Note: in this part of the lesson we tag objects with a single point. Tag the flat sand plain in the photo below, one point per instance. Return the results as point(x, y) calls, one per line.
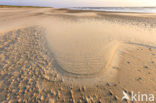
point(72, 56)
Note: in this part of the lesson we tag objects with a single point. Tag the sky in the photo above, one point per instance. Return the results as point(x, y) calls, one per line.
point(81, 3)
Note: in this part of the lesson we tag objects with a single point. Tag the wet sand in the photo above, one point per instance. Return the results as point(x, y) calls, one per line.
point(59, 55)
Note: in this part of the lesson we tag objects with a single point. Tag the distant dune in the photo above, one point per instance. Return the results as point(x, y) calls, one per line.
point(14, 6)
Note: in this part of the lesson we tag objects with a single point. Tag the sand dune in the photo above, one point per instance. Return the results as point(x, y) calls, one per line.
point(58, 55)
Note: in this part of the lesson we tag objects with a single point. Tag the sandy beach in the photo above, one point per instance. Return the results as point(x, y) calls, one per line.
point(50, 55)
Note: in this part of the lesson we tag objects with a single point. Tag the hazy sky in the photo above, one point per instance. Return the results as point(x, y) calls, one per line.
point(78, 3)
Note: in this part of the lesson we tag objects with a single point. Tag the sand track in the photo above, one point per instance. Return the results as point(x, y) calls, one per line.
point(23, 62)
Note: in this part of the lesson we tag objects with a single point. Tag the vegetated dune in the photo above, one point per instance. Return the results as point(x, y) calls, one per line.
point(60, 55)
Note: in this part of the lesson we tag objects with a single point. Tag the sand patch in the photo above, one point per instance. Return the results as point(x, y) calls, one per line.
point(82, 57)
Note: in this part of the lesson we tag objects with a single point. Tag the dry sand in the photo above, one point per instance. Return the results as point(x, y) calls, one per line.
point(58, 55)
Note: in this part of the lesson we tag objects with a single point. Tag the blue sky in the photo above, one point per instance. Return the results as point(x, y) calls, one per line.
point(78, 3)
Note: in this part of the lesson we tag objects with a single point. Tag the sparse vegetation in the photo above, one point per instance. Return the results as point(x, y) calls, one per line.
point(14, 6)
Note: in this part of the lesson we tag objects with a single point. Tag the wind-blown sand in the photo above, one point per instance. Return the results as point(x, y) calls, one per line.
point(58, 55)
